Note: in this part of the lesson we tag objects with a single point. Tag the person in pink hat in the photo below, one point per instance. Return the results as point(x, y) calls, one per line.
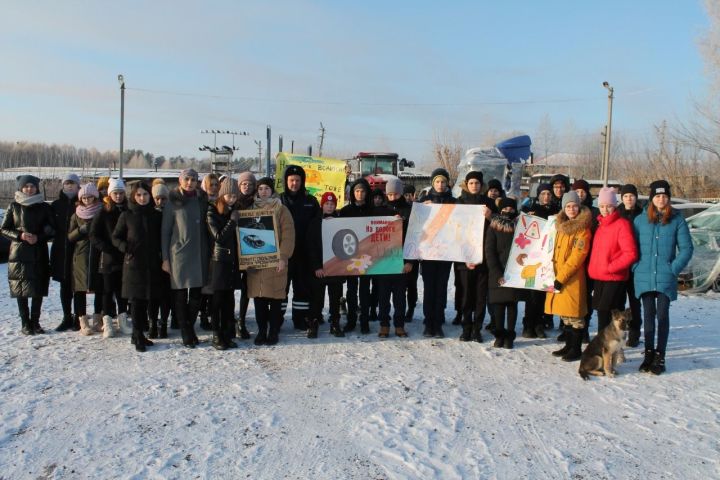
point(614, 250)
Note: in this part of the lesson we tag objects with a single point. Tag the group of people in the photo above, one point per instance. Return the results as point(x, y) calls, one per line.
point(161, 252)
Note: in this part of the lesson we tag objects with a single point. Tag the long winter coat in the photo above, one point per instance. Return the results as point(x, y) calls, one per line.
point(664, 251)
point(185, 240)
point(572, 246)
point(86, 257)
point(614, 249)
point(303, 207)
point(224, 270)
point(542, 211)
point(61, 251)
point(137, 236)
point(498, 243)
point(28, 265)
point(101, 230)
point(268, 282)
point(467, 198)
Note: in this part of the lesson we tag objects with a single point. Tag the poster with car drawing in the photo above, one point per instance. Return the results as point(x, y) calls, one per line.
point(257, 239)
point(362, 246)
point(530, 262)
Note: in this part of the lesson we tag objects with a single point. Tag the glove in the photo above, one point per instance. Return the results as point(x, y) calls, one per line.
point(558, 286)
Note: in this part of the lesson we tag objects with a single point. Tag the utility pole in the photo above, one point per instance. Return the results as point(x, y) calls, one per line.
point(322, 139)
point(259, 145)
point(310, 150)
point(608, 132)
point(292, 146)
point(121, 79)
point(267, 154)
point(280, 143)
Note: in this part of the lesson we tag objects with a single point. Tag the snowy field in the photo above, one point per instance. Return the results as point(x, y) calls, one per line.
point(358, 407)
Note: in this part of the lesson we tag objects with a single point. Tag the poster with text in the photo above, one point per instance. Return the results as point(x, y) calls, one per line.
point(362, 246)
point(530, 262)
point(321, 174)
point(257, 239)
point(446, 232)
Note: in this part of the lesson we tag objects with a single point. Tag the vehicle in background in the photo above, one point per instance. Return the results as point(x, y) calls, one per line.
point(703, 271)
point(378, 167)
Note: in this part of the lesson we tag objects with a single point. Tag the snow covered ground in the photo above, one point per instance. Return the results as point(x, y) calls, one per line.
point(359, 407)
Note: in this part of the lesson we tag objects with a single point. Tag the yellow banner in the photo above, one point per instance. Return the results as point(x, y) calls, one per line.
point(321, 175)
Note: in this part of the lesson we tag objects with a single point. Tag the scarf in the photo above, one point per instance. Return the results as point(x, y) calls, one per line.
point(87, 213)
point(27, 200)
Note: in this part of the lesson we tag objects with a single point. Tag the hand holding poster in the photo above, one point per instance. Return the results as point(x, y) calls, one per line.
point(446, 232)
point(362, 246)
point(257, 239)
point(530, 262)
point(321, 174)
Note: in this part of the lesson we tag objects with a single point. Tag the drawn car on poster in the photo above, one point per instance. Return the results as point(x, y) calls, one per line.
point(253, 241)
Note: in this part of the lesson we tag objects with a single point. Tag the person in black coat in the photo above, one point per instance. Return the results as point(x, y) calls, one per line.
point(29, 223)
point(111, 259)
point(61, 251)
point(503, 300)
point(359, 206)
point(629, 209)
point(303, 208)
point(328, 204)
point(159, 308)
point(473, 279)
point(559, 184)
point(224, 269)
point(536, 320)
point(435, 273)
point(137, 236)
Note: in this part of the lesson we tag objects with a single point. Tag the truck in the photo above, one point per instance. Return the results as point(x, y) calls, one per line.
point(378, 167)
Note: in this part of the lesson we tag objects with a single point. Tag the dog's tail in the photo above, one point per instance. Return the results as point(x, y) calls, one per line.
point(584, 374)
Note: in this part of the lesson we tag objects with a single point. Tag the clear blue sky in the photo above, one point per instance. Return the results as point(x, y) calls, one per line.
point(379, 75)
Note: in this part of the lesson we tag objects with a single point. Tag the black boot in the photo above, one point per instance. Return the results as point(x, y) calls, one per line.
point(75, 323)
point(575, 352)
point(547, 321)
point(648, 360)
point(261, 336)
point(274, 333)
point(458, 318)
point(428, 331)
point(66, 324)
point(173, 321)
point(137, 338)
point(299, 322)
point(564, 333)
point(162, 331)
point(466, 334)
point(409, 314)
point(364, 325)
point(26, 326)
point(35, 324)
point(499, 337)
point(566, 338)
point(528, 332)
point(509, 340)
point(217, 341)
point(335, 329)
point(658, 364)
point(633, 338)
point(585, 337)
point(351, 324)
point(477, 332)
point(540, 331)
point(313, 325)
point(242, 331)
point(438, 333)
point(153, 330)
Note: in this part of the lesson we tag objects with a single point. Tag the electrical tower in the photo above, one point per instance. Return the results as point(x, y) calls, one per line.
point(221, 157)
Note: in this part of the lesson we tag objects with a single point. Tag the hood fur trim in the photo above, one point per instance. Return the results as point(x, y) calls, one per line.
point(570, 227)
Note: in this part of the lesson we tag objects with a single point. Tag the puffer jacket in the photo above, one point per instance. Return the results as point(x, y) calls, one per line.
point(101, 230)
point(572, 246)
point(664, 251)
point(86, 258)
point(302, 206)
point(224, 271)
point(61, 251)
point(614, 249)
point(352, 209)
point(497, 246)
point(28, 265)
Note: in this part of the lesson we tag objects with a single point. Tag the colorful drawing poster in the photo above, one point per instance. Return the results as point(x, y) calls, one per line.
point(257, 239)
point(446, 232)
point(530, 262)
point(362, 246)
point(321, 174)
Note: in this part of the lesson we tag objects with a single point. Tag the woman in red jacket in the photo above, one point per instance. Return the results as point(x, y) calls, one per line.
point(614, 250)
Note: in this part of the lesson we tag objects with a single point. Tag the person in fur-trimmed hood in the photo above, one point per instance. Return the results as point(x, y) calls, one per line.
point(572, 246)
point(503, 300)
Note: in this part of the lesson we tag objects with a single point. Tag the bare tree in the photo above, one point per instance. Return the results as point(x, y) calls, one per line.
point(546, 138)
point(447, 151)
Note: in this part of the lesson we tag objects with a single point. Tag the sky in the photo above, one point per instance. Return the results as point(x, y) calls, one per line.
point(380, 76)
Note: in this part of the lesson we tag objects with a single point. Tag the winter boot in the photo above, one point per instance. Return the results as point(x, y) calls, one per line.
point(26, 326)
point(242, 331)
point(173, 322)
point(66, 324)
point(428, 331)
point(274, 333)
point(575, 351)
point(364, 325)
point(438, 333)
point(35, 324)
point(409, 314)
point(97, 323)
point(477, 332)
point(108, 327)
point(335, 329)
point(373, 314)
point(351, 324)
point(261, 337)
point(384, 332)
point(85, 328)
point(217, 341)
point(162, 330)
point(139, 344)
point(499, 338)
point(313, 326)
point(299, 322)
point(466, 335)
point(547, 321)
point(509, 340)
point(153, 330)
point(124, 323)
point(528, 332)
point(400, 332)
point(658, 364)
point(458, 319)
point(648, 361)
point(564, 332)
point(566, 338)
point(633, 339)
point(585, 335)
point(76, 323)
point(540, 331)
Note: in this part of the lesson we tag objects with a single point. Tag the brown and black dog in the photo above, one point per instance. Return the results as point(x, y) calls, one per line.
point(605, 351)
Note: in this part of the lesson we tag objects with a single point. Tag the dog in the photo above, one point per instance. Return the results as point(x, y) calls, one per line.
point(605, 351)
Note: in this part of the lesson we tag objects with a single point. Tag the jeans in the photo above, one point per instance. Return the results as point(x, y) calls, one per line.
point(656, 305)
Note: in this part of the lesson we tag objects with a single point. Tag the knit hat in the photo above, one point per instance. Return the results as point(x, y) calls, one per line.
point(229, 187)
point(394, 185)
point(659, 187)
point(88, 190)
point(189, 172)
point(116, 185)
point(628, 188)
point(440, 172)
point(581, 185)
point(475, 174)
point(23, 180)
point(328, 197)
point(495, 183)
point(607, 196)
point(506, 202)
point(160, 190)
point(570, 197)
point(71, 177)
point(247, 177)
point(267, 181)
point(544, 187)
point(408, 189)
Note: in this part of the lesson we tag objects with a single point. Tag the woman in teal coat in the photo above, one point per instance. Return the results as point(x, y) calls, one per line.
point(665, 248)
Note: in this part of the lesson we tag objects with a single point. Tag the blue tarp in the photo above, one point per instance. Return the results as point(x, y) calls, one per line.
point(515, 149)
